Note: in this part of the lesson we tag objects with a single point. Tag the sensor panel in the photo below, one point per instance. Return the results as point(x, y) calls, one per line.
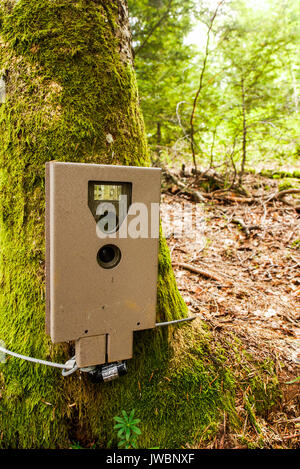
point(100, 284)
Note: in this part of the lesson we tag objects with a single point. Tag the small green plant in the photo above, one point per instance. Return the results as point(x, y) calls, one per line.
point(76, 445)
point(296, 244)
point(294, 381)
point(128, 431)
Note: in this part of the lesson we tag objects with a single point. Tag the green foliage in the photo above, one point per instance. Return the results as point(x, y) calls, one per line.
point(249, 102)
point(127, 430)
point(255, 90)
point(162, 62)
point(251, 414)
point(76, 445)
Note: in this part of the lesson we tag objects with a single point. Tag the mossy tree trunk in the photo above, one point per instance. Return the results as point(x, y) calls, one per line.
point(71, 95)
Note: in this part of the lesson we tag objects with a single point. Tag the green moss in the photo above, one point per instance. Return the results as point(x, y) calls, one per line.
point(276, 174)
point(70, 88)
point(287, 183)
point(281, 174)
point(251, 414)
point(168, 300)
point(264, 389)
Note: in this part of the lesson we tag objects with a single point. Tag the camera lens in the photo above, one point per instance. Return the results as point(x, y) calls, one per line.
point(106, 254)
point(109, 256)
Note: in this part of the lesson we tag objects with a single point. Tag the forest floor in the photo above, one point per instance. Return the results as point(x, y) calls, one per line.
point(237, 266)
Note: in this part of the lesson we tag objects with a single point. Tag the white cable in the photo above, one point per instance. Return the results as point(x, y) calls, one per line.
point(71, 364)
point(37, 360)
point(176, 320)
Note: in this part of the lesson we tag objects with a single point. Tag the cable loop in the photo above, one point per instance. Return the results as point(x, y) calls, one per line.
point(66, 366)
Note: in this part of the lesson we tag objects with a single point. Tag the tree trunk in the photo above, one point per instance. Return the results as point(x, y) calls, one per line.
point(71, 95)
point(244, 149)
point(158, 135)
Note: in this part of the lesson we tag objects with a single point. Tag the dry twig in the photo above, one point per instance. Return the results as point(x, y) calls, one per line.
point(205, 273)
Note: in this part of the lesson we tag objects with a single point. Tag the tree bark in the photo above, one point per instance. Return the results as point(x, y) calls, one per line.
point(71, 95)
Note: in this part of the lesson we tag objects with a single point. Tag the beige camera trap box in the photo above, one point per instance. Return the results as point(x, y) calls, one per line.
point(102, 225)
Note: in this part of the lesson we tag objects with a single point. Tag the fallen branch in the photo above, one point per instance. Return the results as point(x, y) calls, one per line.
point(204, 273)
point(281, 197)
point(246, 228)
point(183, 188)
point(281, 194)
point(222, 194)
point(230, 198)
point(290, 437)
point(211, 176)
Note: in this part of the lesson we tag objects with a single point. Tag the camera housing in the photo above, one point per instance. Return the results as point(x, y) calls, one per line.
point(101, 281)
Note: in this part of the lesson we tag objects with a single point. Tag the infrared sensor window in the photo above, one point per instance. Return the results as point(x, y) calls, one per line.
point(109, 203)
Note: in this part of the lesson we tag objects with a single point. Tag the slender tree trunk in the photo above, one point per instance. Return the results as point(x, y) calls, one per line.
point(212, 148)
point(158, 138)
point(158, 134)
point(244, 149)
point(71, 95)
point(198, 92)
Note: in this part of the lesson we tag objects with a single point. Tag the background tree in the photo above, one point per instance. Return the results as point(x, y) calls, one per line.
point(162, 59)
point(234, 117)
point(256, 98)
point(252, 57)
